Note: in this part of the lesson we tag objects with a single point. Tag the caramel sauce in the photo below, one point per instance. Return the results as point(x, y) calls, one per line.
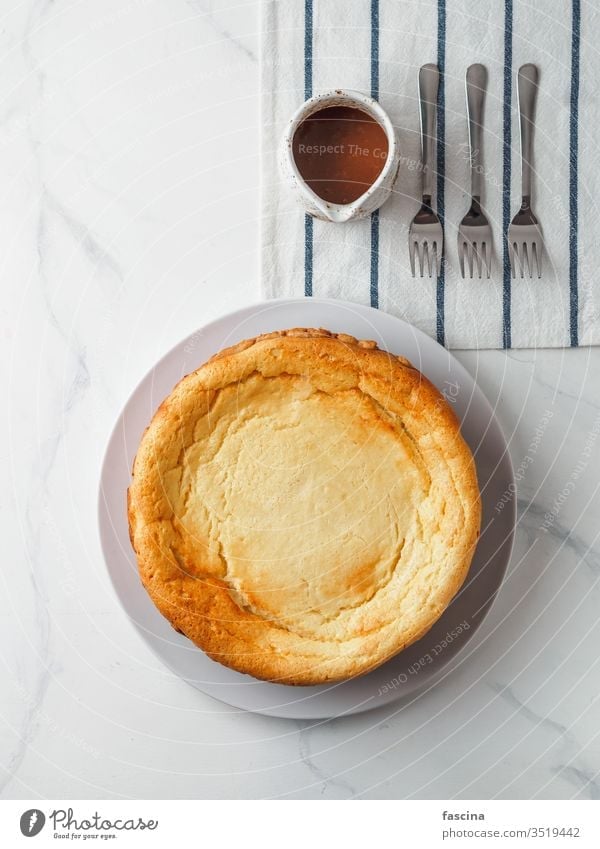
point(340, 151)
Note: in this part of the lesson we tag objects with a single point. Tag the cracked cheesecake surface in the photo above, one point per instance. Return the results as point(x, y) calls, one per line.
point(303, 506)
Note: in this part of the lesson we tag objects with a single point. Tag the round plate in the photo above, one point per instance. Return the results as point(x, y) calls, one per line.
point(417, 665)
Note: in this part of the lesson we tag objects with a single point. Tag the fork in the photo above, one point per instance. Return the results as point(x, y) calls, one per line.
point(525, 244)
point(474, 231)
point(426, 237)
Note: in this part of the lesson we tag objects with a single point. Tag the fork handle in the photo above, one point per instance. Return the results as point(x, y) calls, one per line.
point(527, 85)
point(476, 84)
point(429, 79)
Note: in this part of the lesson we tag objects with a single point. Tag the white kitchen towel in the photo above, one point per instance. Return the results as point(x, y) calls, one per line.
point(377, 46)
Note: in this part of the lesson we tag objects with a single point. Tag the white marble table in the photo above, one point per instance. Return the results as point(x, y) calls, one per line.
point(129, 217)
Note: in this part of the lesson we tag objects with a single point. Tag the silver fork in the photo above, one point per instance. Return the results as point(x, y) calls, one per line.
point(525, 243)
point(474, 231)
point(426, 237)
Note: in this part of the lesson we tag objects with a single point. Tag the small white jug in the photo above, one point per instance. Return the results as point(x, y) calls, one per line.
point(376, 194)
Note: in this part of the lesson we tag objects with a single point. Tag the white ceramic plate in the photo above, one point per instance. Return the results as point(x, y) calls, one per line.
point(413, 668)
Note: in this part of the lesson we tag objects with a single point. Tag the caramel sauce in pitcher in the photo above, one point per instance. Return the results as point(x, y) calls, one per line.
point(340, 151)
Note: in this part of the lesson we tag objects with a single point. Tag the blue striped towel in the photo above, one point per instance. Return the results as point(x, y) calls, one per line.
point(377, 46)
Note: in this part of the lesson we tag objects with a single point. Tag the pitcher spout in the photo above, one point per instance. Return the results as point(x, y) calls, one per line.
point(336, 213)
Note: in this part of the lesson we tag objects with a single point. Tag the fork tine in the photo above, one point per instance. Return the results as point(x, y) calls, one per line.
point(477, 252)
point(429, 251)
point(521, 259)
point(461, 257)
point(470, 258)
point(512, 250)
point(518, 260)
point(420, 251)
point(421, 255)
point(425, 244)
point(487, 259)
point(537, 257)
point(525, 250)
point(526, 264)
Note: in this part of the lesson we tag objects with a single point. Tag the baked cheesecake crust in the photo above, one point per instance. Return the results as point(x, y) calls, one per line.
point(303, 506)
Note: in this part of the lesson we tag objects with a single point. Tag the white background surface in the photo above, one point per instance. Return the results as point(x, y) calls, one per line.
point(129, 217)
